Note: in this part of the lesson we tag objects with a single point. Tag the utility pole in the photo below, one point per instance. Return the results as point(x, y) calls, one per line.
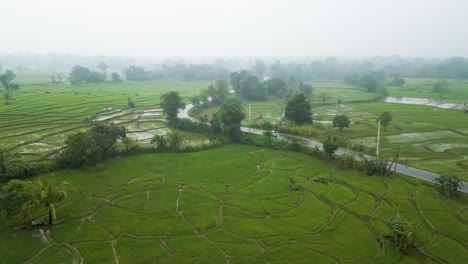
point(378, 140)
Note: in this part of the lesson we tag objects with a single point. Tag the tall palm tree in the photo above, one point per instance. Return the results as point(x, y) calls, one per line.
point(45, 193)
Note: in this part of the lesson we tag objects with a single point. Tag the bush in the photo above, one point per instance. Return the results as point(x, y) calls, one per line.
point(189, 125)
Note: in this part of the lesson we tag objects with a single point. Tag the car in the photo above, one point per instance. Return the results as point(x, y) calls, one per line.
point(273, 133)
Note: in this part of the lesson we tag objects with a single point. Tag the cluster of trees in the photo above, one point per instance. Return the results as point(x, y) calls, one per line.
point(214, 94)
point(226, 120)
point(340, 69)
point(370, 81)
point(20, 200)
point(249, 87)
point(83, 75)
point(178, 72)
point(440, 86)
point(90, 147)
point(13, 166)
point(6, 81)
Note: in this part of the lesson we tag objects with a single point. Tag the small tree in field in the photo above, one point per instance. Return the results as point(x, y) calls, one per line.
point(403, 233)
point(341, 121)
point(116, 78)
point(440, 86)
point(103, 66)
point(5, 80)
point(329, 147)
point(45, 193)
point(171, 102)
point(385, 119)
point(449, 185)
point(298, 109)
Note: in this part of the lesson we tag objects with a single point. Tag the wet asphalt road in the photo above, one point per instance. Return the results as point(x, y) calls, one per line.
point(410, 171)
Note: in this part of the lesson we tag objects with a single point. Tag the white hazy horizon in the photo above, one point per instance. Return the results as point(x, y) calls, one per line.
point(219, 28)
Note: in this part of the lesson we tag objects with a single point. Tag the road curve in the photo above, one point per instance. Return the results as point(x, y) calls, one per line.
point(410, 171)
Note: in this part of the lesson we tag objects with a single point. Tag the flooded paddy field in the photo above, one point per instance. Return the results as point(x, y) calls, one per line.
point(40, 117)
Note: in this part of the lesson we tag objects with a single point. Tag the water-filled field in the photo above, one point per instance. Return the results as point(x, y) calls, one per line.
point(239, 204)
point(40, 116)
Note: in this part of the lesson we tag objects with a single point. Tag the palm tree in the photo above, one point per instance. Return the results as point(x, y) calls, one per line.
point(45, 193)
point(175, 139)
point(449, 185)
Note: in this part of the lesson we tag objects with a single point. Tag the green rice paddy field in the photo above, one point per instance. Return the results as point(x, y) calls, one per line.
point(234, 205)
point(427, 137)
point(41, 115)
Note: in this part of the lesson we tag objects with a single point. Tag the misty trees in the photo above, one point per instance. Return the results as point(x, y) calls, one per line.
point(56, 79)
point(277, 87)
point(171, 102)
point(440, 86)
point(397, 81)
point(218, 92)
point(449, 185)
point(369, 82)
point(115, 77)
point(102, 66)
point(298, 109)
point(385, 118)
point(341, 121)
point(247, 86)
point(6, 81)
point(260, 68)
point(82, 75)
point(231, 114)
point(135, 73)
point(305, 88)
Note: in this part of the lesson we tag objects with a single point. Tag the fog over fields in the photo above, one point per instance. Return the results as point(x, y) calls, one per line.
point(416, 28)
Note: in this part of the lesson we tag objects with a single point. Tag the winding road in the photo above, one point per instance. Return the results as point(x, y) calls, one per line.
point(407, 170)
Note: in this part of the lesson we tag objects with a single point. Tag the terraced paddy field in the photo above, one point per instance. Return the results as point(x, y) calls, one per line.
point(41, 116)
point(235, 204)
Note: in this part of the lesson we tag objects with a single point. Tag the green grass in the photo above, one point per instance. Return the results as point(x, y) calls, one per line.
point(235, 204)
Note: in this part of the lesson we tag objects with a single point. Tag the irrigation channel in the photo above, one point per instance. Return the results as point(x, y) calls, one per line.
point(410, 171)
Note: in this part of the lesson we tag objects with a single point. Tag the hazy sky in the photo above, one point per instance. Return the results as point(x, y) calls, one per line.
point(428, 28)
